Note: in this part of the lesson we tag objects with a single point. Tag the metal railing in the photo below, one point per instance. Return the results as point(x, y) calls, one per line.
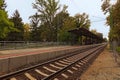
point(27, 44)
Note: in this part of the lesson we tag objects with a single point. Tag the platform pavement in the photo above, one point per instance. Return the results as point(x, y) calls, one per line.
point(29, 51)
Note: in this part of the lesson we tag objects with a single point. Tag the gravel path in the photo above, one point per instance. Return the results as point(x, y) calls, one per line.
point(103, 68)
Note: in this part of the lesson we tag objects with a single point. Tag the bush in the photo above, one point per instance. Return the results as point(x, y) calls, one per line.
point(118, 49)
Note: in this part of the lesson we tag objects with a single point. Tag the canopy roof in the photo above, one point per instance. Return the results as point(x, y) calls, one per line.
point(84, 32)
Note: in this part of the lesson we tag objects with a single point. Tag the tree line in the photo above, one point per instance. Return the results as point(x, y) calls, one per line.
point(113, 20)
point(51, 22)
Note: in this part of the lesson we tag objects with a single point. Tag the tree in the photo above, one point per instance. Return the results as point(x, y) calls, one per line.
point(61, 17)
point(45, 33)
point(94, 31)
point(2, 5)
point(17, 35)
point(116, 20)
point(47, 10)
point(26, 32)
point(6, 25)
point(113, 19)
point(59, 21)
point(64, 35)
point(82, 21)
point(106, 6)
point(35, 24)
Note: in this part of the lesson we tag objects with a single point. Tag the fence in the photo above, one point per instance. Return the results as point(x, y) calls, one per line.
point(27, 44)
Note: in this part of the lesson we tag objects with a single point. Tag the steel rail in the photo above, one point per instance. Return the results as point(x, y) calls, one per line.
point(58, 72)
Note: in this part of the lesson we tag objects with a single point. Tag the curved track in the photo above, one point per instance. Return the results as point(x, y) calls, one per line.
point(68, 67)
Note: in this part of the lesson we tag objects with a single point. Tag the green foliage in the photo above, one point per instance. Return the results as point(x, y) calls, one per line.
point(18, 33)
point(113, 19)
point(116, 20)
point(35, 30)
point(2, 5)
point(26, 32)
point(64, 35)
point(60, 18)
point(50, 25)
point(45, 33)
point(6, 25)
point(105, 6)
point(118, 49)
point(47, 10)
point(82, 20)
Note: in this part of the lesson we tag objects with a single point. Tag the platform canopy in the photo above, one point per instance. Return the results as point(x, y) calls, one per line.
point(84, 32)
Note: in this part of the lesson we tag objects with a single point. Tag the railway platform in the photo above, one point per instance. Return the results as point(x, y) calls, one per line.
point(103, 68)
point(11, 60)
point(30, 51)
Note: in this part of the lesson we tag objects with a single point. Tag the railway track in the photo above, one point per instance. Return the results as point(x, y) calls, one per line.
point(68, 67)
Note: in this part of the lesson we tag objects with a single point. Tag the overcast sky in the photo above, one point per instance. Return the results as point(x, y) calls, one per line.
point(91, 7)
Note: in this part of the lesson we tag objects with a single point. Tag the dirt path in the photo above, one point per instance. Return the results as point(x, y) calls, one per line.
point(104, 68)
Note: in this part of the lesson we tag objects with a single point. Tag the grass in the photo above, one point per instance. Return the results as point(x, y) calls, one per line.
point(118, 50)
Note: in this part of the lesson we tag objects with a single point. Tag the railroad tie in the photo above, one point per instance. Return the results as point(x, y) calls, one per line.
point(67, 60)
point(78, 65)
point(60, 64)
point(64, 75)
point(64, 62)
point(41, 73)
point(70, 71)
point(83, 61)
point(70, 59)
point(55, 79)
point(13, 79)
point(55, 66)
point(74, 68)
point(29, 76)
point(49, 69)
